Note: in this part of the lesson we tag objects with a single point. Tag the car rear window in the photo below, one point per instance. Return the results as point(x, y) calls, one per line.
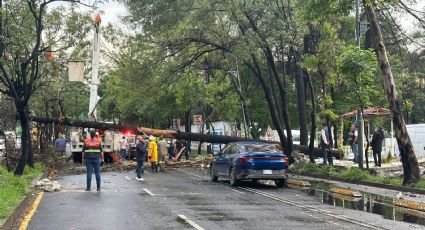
point(260, 148)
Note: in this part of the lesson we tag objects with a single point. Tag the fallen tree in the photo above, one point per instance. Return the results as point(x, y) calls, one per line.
point(167, 133)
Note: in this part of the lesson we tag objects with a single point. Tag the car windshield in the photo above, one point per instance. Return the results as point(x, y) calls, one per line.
point(260, 148)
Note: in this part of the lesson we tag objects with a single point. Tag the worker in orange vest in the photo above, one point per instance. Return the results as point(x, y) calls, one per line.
point(93, 157)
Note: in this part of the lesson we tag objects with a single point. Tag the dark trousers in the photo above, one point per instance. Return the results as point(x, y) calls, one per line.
point(123, 154)
point(377, 157)
point(327, 156)
point(154, 167)
point(90, 165)
point(139, 169)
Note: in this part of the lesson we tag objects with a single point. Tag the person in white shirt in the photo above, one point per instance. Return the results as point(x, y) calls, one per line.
point(123, 148)
point(325, 137)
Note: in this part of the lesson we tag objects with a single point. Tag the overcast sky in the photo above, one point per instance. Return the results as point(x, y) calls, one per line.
point(113, 11)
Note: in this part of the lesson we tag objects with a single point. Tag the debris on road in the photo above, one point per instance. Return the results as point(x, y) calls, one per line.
point(48, 185)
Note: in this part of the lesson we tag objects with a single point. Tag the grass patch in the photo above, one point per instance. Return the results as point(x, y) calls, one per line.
point(352, 173)
point(13, 188)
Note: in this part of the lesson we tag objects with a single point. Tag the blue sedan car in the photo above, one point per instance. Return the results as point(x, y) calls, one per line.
point(250, 161)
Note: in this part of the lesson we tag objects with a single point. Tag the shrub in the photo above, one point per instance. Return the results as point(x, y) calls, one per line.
point(355, 173)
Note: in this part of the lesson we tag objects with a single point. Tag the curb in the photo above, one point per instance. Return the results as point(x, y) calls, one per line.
point(366, 183)
point(346, 192)
point(297, 182)
point(410, 204)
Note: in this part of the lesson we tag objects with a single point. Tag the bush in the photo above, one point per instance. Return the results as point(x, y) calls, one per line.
point(354, 173)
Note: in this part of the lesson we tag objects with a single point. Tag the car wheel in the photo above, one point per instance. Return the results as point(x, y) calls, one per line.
point(213, 177)
point(280, 183)
point(232, 178)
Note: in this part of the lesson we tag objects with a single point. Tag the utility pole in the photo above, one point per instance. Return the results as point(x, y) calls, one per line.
point(242, 101)
point(357, 30)
point(95, 70)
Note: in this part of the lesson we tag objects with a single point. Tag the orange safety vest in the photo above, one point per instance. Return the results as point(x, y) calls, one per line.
point(92, 145)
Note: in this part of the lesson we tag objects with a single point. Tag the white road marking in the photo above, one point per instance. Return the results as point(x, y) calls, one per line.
point(313, 209)
point(148, 192)
point(193, 224)
point(234, 190)
point(128, 178)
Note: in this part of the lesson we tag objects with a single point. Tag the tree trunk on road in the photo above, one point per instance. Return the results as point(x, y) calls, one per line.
point(411, 172)
point(166, 133)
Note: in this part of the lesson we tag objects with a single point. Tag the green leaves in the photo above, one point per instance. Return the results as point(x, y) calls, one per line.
point(359, 68)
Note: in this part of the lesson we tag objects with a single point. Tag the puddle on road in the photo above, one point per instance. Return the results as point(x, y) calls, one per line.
point(381, 205)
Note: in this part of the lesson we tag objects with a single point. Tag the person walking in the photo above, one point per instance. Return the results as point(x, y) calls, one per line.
point(123, 148)
point(376, 143)
point(92, 155)
point(153, 154)
point(141, 151)
point(353, 142)
point(60, 146)
point(325, 137)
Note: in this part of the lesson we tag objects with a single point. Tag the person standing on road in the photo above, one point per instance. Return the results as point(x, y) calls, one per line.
point(171, 149)
point(60, 146)
point(153, 153)
point(162, 149)
point(353, 142)
point(325, 137)
point(141, 151)
point(92, 155)
point(378, 137)
point(123, 148)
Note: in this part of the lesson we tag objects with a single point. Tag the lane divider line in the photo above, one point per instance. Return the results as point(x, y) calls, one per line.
point(27, 218)
point(324, 212)
point(234, 190)
point(193, 224)
point(148, 192)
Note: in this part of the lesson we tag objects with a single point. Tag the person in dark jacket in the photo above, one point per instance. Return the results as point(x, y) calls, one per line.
point(376, 144)
point(141, 150)
point(325, 137)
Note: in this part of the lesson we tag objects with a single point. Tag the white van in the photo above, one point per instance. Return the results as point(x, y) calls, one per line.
point(417, 136)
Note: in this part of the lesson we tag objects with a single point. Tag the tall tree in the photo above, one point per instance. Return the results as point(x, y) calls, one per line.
point(27, 37)
point(411, 172)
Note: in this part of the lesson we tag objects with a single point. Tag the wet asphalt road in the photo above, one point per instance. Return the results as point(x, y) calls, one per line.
point(157, 202)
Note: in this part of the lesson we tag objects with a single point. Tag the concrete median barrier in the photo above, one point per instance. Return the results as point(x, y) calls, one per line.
point(410, 204)
point(346, 192)
point(297, 182)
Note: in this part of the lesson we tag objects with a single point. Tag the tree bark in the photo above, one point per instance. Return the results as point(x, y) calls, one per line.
point(411, 172)
point(26, 156)
point(313, 119)
point(299, 84)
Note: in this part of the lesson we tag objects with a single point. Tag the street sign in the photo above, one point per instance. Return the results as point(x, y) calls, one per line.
point(364, 26)
point(197, 119)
